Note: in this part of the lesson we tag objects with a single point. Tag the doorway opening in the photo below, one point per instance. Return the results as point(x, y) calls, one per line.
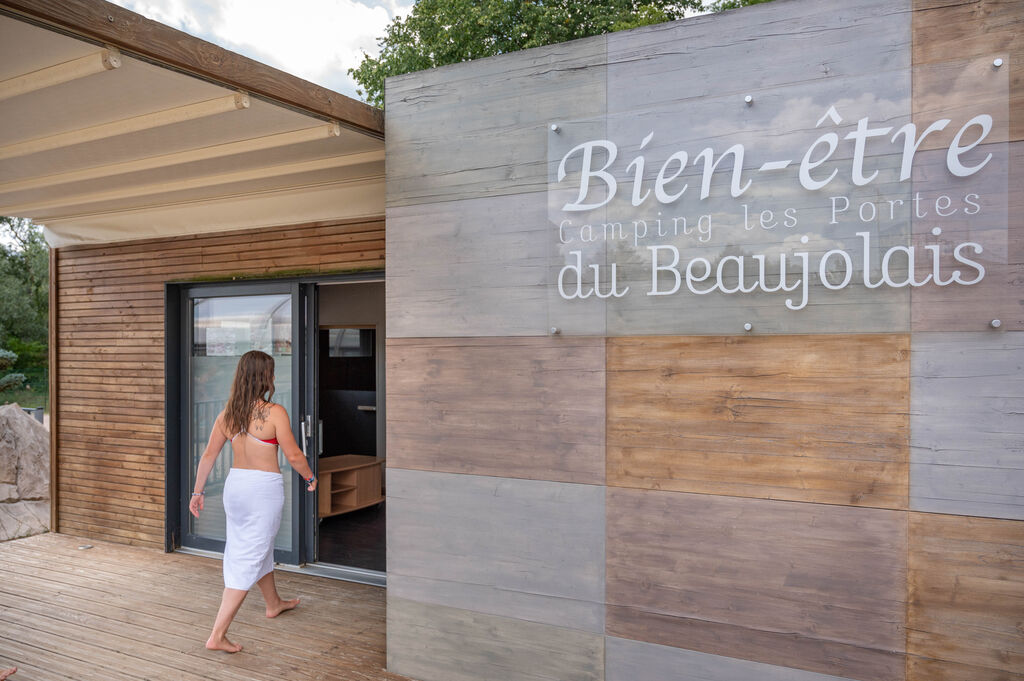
point(349, 389)
point(327, 339)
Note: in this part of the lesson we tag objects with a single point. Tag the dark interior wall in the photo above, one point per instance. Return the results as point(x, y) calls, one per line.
point(347, 381)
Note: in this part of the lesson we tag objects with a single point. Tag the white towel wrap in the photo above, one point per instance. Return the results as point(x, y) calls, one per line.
point(253, 501)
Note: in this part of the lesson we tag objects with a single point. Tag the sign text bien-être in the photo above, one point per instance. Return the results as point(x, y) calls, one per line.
point(902, 265)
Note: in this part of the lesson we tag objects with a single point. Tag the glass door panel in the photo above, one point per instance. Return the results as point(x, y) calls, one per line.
point(222, 329)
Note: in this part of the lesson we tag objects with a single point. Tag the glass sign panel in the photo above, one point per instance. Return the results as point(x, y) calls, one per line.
point(868, 203)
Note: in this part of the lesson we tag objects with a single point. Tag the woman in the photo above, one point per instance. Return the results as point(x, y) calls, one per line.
point(253, 490)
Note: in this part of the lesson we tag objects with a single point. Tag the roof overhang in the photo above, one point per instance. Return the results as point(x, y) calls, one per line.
point(117, 127)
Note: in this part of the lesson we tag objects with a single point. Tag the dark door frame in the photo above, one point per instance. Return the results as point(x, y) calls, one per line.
point(177, 333)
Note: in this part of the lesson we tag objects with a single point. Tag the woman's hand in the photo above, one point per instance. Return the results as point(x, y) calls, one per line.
point(195, 505)
point(312, 486)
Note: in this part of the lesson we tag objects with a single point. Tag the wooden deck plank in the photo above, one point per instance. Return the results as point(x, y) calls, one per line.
point(51, 665)
point(105, 585)
point(164, 589)
point(117, 613)
point(141, 600)
point(87, 602)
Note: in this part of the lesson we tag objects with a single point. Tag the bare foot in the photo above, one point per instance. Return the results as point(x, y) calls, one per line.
point(4, 673)
point(222, 644)
point(285, 605)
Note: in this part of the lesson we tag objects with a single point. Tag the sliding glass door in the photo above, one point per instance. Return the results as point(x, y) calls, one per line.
point(220, 324)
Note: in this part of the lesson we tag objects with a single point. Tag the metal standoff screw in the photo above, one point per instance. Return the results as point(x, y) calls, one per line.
point(554, 127)
point(995, 323)
point(555, 330)
point(749, 99)
point(997, 63)
point(748, 326)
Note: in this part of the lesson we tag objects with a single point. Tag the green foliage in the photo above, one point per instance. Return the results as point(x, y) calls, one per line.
point(440, 32)
point(24, 281)
point(24, 310)
point(723, 5)
point(32, 355)
point(10, 381)
point(35, 392)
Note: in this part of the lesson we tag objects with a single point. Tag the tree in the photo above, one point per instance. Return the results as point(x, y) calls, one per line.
point(440, 32)
point(24, 282)
point(723, 5)
point(9, 381)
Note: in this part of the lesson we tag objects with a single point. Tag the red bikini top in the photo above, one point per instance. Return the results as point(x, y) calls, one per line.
point(271, 441)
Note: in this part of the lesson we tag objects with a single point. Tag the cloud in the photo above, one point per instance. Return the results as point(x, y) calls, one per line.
point(318, 40)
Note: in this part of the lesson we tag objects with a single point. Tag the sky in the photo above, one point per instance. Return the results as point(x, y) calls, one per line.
point(319, 40)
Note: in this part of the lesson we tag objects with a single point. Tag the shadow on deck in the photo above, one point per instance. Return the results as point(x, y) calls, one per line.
point(122, 613)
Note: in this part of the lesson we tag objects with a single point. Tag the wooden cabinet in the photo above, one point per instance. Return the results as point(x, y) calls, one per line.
point(348, 483)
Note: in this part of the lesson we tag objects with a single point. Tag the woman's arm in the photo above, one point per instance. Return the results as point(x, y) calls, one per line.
point(210, 454)
point(292, 450)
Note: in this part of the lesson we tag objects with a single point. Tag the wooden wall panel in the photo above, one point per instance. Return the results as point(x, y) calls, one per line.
point(947, 30)
point(521, 408)
point(479, 129)
point(638, 661)
point(492, 259)
point(538, 556)
point(645, 69)
point(967, 423)
point(110, 306)
point(966, 603)
point(808, 586)
point(436, 643)
point(805, 418)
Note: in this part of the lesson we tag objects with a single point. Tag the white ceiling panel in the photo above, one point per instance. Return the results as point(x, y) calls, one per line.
point(134, 140)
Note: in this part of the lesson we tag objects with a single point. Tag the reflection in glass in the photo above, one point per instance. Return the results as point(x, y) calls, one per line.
point(223, 330)
point(829, 206)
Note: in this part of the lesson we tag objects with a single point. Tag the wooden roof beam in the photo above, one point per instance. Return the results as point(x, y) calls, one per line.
point(113, 25)
point(281, 139)
point(156, 119)
point(89, 65)
point(198, 182)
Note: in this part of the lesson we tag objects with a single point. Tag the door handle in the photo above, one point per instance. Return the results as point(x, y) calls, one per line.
point(307, 431)
point(366, 407)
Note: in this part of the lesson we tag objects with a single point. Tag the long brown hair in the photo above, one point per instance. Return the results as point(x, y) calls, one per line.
point(254, 381)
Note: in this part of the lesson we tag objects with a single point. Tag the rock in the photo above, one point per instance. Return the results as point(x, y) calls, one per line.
point(25, 448)
point(23, 519)
point(24, 474)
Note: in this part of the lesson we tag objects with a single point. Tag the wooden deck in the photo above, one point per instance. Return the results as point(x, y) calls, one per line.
point(121, 613)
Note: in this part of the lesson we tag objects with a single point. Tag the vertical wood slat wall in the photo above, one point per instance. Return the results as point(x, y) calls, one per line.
point(813, 507)
point(109, 362)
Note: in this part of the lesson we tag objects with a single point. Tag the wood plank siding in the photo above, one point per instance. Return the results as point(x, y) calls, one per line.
point(109, 440)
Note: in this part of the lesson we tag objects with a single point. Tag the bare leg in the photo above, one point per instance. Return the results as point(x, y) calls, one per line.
point(4, 673)
point(275, 604)
point(230, 602)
